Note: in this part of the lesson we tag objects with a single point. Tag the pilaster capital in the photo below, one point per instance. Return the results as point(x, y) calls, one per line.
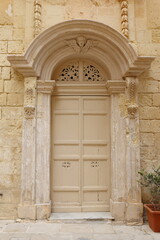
point(116, 86)
point(46, 86)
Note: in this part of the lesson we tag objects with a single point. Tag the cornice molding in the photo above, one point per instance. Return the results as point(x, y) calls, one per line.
point(116, 86)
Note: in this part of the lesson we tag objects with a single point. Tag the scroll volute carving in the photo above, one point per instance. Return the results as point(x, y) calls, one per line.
point(132, 106)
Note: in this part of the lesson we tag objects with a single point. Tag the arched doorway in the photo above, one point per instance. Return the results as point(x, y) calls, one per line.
point(99, 44)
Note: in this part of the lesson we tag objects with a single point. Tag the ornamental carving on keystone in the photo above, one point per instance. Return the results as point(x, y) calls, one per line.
point(81, 44)
point(29, 112)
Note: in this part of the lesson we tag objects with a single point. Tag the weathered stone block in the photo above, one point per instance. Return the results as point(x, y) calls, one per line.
point(134, 213)
point(145, 126)
point(5, 33)
point(12, 113)
point(153, 16)
point(6, 73)
point(0, 112)
point(15, 47)
point(155, 126)
point(15, 99)
point(118, 210)
point(146, 100)
point(19, 21)
point(8, 211)
point(149, 113)
point(9, 181)
point(147, 139)
point(11, 127)
point(27, 212)
point(1, 86)
point(43, 211)
point(6, 16)
point(10, 153)
point(156, 100)
point(18, 34)
point(3, 99)
point(148, 153)
point(3, 46)
point(13, 86)
point(3, 60)
point(156, 35)
point(148, 86)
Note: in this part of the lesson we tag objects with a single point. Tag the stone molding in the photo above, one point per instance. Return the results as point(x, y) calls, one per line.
point(124, 17)
point(46, 86)
point(42, 61)
point(37, 17)
point(116, 86)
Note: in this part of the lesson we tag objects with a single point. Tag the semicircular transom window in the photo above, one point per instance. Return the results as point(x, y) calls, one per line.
point(79, 71)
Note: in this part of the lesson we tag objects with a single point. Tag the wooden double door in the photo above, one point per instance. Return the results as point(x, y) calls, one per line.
point(80, 165)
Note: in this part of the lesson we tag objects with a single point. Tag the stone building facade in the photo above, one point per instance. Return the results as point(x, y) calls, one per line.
point(91, 64)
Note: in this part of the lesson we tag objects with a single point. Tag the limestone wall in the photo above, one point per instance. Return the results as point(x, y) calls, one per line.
point(12, 19)
point(16, 33)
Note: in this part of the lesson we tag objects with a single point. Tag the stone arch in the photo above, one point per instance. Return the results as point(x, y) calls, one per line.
point(62, 42)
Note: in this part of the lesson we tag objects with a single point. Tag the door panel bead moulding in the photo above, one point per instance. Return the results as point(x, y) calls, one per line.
point(113, 53)
point(124, 17)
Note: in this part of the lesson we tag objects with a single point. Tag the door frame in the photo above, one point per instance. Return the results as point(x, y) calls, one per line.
point(122, 65)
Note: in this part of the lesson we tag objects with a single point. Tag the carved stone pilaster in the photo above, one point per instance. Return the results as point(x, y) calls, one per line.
point(124, 17)
point(46, 86)
point(132, 106)
point(37, 17)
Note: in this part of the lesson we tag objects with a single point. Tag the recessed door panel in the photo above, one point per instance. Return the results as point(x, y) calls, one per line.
point(80, 165)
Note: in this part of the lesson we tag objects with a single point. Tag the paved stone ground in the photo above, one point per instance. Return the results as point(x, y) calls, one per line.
point(84, 230)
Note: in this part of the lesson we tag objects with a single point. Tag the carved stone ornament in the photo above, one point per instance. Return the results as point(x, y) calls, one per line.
point(37, 17)
point(124, 17)
point(29, 112)
point(81, 44)
point(132, 106)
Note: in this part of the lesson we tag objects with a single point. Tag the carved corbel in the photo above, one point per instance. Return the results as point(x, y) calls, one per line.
point(29, 112)
point(132, 86)
point(46, 87)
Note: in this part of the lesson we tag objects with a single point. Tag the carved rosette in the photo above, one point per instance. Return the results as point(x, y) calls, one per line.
point(124, 17)
point(37, 17)
point(132, 106)
point(29, 112)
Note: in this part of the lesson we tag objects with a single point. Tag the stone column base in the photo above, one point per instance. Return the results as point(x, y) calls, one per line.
point(134, 213)
point(130, 213)
point(34, 212)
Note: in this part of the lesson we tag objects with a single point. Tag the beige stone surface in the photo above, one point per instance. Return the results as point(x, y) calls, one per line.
point(16, 32)
point(6, 14)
